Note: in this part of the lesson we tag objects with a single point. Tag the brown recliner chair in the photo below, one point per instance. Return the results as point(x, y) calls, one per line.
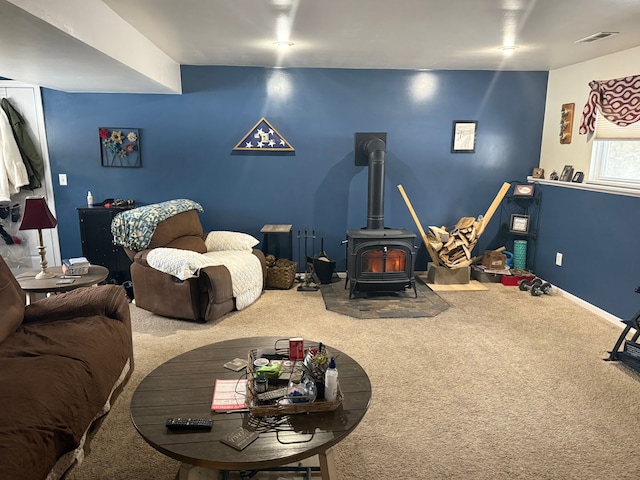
point(63, 361)
point(208, 297)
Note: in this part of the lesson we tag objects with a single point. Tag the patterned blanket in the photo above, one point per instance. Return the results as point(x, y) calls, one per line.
point(134, 228)
point(244, 267)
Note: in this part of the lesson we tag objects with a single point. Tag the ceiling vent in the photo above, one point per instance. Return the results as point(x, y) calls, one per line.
point(596, 36)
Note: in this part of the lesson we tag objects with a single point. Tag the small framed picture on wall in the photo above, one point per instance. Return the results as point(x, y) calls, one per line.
point(464, 136)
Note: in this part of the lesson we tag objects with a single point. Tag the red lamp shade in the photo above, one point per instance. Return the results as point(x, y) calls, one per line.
point(37, 215)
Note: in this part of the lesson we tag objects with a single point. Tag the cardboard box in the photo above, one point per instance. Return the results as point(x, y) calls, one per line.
point(494, 260)
point(447, 276)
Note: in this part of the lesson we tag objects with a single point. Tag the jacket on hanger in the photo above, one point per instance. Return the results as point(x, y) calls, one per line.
point(13, 173)
point(30, 156)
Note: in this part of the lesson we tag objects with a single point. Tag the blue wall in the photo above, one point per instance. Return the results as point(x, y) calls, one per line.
point(598, 235)
point(187, 141)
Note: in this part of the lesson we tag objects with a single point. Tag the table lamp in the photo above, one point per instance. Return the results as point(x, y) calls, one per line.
point(37, 216)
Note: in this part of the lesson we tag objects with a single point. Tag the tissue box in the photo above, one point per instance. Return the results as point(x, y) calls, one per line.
point(75, 266)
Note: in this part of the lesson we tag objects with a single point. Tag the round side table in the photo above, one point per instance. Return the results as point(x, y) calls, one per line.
point(31, 286)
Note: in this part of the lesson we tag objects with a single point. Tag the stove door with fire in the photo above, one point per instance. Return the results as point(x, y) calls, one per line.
point(383, 261)
point(383, 265)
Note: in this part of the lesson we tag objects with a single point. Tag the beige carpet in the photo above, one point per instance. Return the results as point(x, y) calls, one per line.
point(502, 385)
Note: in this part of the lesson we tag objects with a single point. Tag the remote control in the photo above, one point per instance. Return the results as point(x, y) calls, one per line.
point(240, 438)
point(189, 423)
point(272, 394)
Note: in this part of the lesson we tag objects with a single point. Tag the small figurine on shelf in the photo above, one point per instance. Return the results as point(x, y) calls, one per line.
point(538, 173)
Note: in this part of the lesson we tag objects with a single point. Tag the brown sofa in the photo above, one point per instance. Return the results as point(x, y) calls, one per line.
point(206, 298)
point(63, 360)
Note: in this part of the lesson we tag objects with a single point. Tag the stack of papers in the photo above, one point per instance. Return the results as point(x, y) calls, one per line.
point(229, 395)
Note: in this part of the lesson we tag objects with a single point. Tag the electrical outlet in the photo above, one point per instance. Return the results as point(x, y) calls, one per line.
point(559, 259)
point(62, 179)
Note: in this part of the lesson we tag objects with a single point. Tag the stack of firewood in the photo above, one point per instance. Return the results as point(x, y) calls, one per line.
point(454, 245)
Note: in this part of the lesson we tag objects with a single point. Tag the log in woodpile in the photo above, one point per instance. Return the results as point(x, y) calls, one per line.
point(453, 247)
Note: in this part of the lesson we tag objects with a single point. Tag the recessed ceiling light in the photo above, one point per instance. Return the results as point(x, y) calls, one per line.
point(282, 3)
point(508, 49)
point(283, 44)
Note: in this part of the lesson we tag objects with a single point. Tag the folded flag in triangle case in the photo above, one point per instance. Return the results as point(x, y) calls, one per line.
point(264, 137)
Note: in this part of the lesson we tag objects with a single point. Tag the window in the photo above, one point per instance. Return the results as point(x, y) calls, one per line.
point(615, 158)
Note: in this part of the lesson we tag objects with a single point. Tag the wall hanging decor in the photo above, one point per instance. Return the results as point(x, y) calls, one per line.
point(119, 147)
point(263, 138)
point(464, 136)
point(566, 122)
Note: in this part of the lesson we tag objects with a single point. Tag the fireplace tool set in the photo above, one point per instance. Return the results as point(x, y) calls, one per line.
point(309, 279)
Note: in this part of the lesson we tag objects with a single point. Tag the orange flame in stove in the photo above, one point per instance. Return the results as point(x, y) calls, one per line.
point(373, 261)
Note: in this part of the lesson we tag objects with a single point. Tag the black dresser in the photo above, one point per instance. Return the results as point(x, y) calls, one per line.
point(97, 242)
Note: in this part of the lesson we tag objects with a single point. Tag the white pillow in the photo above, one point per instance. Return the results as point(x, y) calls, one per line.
point(221, 240)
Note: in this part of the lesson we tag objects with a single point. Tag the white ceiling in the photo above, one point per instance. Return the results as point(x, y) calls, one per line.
point(137, 46)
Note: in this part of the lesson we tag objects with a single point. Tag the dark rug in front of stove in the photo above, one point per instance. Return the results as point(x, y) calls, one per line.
point(402, 304)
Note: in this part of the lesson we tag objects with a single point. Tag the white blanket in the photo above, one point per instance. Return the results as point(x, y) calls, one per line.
point(244, 267)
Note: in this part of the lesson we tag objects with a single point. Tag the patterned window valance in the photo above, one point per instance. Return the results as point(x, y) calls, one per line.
point(618, 100)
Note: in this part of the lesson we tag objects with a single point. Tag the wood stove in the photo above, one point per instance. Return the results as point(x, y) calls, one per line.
point(379, 259)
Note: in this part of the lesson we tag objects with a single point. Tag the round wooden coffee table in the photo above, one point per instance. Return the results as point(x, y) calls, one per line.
point(183, 387)
point(30, 285)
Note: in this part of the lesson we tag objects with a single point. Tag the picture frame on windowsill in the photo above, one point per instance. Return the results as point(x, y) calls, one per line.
point(567, 173)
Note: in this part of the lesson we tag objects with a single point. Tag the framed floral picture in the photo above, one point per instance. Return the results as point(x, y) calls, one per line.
point(119, 147)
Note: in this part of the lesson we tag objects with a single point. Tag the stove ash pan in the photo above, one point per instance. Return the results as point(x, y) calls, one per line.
point(380, 260)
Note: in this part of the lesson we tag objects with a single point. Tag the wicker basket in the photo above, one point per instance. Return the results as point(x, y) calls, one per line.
point(269, 410)
point(281, 274)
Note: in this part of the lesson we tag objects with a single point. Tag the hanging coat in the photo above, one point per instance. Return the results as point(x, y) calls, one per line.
point(30, 156)
point(13, 173)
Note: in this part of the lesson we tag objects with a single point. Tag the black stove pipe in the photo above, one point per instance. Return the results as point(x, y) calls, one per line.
point(375, 150)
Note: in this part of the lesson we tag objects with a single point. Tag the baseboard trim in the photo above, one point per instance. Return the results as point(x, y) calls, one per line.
point(577, 300)
point(592, 308)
